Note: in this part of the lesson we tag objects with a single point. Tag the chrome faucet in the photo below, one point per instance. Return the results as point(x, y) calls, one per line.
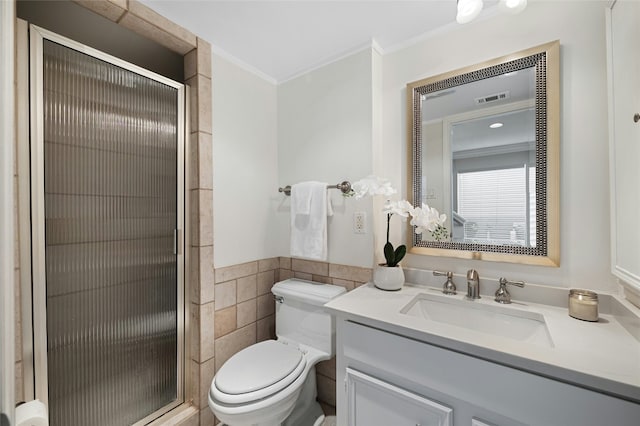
point(449, 287)
point(502, 294)
point(473, 284)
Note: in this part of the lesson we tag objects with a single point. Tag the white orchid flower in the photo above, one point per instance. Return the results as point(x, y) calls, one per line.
point(402, 208)
point(372, 185)
point(427, 218)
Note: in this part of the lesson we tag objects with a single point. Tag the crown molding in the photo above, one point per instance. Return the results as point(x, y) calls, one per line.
point(370, 45)
point(218, 51)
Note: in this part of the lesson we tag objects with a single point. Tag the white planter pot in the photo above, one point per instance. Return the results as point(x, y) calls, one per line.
point(388, 278)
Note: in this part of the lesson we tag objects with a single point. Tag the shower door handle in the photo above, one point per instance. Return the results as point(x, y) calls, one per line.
point(177, 241)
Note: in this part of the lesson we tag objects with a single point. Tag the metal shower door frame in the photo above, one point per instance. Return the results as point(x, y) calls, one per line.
point(36, 37)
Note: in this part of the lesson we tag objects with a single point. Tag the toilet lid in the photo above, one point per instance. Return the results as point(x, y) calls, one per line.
point(260, 366)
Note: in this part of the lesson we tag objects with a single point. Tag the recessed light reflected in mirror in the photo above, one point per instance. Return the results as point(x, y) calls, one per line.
point(496, 125)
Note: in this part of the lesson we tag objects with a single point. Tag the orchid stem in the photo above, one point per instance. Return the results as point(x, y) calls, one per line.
point(388, 220)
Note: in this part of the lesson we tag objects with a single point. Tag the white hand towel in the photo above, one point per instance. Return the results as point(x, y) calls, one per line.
point(309, 209)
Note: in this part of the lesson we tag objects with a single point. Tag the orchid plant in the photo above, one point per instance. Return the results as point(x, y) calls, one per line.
point(425, 218)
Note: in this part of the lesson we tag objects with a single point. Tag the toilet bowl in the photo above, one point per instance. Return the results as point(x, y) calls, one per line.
point(272, 383)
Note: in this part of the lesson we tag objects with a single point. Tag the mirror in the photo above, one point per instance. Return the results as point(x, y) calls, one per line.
point(484, 144)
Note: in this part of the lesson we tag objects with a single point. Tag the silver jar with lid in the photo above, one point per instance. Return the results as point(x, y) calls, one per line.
point(583, 304)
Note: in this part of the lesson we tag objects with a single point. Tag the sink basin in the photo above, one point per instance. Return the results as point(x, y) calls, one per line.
point(508, 322)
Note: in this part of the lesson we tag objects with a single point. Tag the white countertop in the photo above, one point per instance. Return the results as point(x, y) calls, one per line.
point(602, 356)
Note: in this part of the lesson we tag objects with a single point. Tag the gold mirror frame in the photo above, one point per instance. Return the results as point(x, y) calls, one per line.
point(546, 59)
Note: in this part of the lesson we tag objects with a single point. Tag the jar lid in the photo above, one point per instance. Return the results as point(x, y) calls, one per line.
point(583, 294)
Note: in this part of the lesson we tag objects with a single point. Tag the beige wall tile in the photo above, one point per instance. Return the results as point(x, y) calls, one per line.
point(110, 9)
point(207, 288)
point(205, 161)
point(247, 287)
point(193, 104)
point(207, 331)
point(204, 57)
point(194, 209)
point(157, 34)
point(302, 275)
point(327, 368)
point(225, 294)
point(17, 315)
point(16, 225)
point(205, 217)
point(321, 279)
point(190, 64)
point(204, 105)
point(266, 306)
point(207, 371)
point(268, 264)
point(352, 273)
point(194, 331)
point(285, 262)
point(247, 312)
point(194, 381)
point(310, 267)
point(192, 178)
point(284, 274)
point(265, 282)
point(266, 328)
point(225, 321)
point(194, 274)
point(19, 389)
point(358, 284)
point(326, 389)
point(236, 271)
point(207, 418)
point(201, 274)
point(349, 285)
point(183, 39)
point(201, 161)
point(234, 342)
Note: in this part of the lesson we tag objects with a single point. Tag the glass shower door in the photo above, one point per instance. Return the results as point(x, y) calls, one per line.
point(111, 184)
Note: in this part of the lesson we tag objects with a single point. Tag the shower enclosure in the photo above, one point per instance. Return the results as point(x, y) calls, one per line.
point(107, 143)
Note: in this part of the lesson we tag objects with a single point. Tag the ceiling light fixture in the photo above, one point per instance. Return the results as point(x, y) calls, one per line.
point(513, 6)
point(496, 125)
point(469, 9)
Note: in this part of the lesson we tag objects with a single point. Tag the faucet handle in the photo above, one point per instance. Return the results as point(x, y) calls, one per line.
point(503, 282)
point(502, 294)
point(449, 287)
point(448, 274)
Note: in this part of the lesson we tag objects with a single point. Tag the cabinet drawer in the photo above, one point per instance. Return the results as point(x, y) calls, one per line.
point(373, 402)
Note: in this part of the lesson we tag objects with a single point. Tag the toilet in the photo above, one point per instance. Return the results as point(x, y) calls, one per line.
point(273, 383)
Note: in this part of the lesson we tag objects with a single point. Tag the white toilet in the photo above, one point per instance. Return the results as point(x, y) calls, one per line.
point(273, 383)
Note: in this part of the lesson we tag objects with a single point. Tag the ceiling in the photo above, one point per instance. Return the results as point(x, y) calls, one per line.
point(279, 40)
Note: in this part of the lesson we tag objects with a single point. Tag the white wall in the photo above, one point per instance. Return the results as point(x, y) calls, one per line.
point(580, 27)
point(325, 133)
point(245, 165)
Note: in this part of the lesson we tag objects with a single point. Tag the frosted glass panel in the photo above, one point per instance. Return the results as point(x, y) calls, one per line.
point(110, 210)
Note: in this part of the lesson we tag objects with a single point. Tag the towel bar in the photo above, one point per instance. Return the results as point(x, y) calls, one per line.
point(345, 187)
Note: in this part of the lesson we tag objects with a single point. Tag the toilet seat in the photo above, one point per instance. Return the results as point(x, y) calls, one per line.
point(257, 372)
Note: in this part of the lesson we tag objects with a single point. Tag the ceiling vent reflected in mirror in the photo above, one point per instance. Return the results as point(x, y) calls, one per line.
point(492, 98)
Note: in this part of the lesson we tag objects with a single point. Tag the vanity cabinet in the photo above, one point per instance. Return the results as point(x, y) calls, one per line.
point(385, 379)
point(624, 126)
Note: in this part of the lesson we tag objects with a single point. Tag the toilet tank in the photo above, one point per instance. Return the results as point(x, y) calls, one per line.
point(300, 314)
